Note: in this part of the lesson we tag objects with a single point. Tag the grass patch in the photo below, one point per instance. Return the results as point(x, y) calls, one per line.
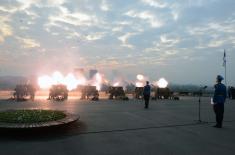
point(30, 116)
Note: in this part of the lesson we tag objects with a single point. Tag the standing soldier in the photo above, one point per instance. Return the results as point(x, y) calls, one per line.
point(31, 91)
point(219, 99)
point(17, 92)
point(146, 93)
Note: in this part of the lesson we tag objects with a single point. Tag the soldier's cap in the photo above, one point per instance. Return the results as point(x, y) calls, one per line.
point(219, 77)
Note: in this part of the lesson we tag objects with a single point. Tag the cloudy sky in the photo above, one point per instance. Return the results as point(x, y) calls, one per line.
point(182, 40)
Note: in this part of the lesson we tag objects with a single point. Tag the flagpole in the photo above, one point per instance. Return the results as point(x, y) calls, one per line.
point(225, 68)
point(225, 71)
point(225, 74)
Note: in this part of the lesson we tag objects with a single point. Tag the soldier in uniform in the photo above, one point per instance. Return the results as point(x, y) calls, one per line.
point(146, 93)
point(219, 99)
point(17, 92)
point(95, 95)
point(31, 90)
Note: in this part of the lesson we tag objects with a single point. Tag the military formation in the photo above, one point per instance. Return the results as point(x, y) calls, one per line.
point(60, 92)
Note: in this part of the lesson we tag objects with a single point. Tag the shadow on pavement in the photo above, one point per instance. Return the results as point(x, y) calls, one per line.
point(43, 134)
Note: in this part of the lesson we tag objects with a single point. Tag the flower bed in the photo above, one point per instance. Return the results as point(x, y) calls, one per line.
point(30, 116)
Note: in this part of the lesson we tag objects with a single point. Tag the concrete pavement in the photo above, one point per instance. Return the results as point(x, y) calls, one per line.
point(125, 127)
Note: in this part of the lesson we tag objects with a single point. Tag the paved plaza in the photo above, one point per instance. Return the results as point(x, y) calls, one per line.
point(125, 127)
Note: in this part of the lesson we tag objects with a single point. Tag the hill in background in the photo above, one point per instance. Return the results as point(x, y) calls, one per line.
point(10, 82)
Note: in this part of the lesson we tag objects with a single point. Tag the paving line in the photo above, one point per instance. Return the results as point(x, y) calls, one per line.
point(151, 127)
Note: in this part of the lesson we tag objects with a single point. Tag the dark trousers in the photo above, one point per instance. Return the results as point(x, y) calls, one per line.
point(146, 100)
point(219, 113)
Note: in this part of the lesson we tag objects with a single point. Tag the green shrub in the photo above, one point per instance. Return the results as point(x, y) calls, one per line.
point(30, 116)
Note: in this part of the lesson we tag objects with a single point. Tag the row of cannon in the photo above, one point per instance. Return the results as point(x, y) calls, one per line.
point(60, 92)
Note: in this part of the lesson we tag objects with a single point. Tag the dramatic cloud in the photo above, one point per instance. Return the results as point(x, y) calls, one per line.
point(146, 16)
point(155, 3)
point(156, 37)
point(124, 40)
point(105, 6)
point(5, 29)
point(28, 43)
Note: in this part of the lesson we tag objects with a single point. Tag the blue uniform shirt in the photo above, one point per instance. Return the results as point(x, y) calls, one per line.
point(220, 94)
point(147, 90)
